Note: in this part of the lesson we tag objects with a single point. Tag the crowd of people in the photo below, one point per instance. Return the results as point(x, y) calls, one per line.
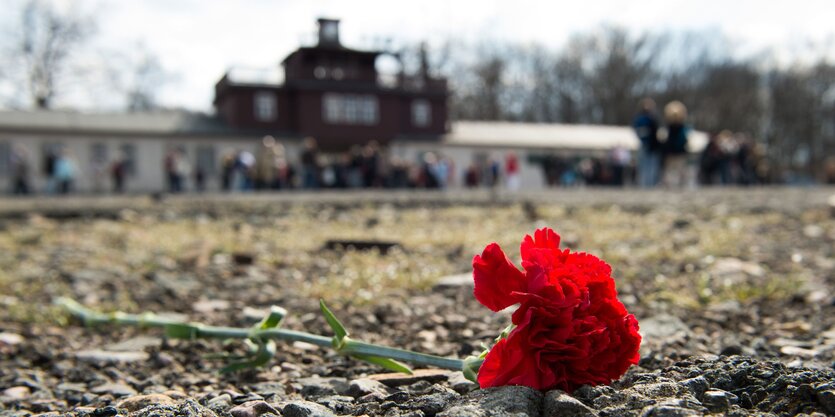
point(727, 159)
point(60, 170)
point(662, 153)
point(662, 159)
point(359, 167)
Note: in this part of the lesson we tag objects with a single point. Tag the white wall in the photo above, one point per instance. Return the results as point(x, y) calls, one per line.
point(150, 153)
point(531, 175)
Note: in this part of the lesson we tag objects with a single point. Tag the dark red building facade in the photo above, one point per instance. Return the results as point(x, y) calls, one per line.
point(335, 94)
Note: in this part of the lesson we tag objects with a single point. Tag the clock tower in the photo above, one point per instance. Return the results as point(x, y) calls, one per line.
point(328, 32)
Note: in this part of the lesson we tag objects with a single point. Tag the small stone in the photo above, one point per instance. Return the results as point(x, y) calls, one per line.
point(319, 387)
point(10, 339)
point(210, 306)
point(252, 409)
point(245, 398)
point(663, 327)
point(340, 404)
point(269, 389)
point(508, 401)
point(665, 410)
point(138, 402)
point(397, 379)
point(16, 393)
point(826, 397)
point(105, 411)
point(243, 258)
point(799, 351)
point(306, 409)
point(175, 395)
point(458, 382)
point(308, 347)
point(718, 401)
point(98, 356)
point(71, 387)
point(455, 281)
point(432, 403)
point(115, 388)
point(187, 408)
point(362, 387)
point(657, 390)
point(697, 386)
point(136, 344)
point(398, 397)
point(560, 404)
point(222, 401)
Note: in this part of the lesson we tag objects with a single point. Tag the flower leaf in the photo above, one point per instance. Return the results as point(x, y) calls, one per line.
point(338, 329)
point(266, 351)
point(390, 364)
point(471, 367)
point(273, 319)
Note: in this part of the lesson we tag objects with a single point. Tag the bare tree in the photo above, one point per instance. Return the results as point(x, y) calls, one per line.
point(145, 75)
point(47, 40)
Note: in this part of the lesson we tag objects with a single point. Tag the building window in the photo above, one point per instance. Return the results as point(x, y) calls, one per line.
point(49, 154)
point(206, 159)
point(98, 154)
point(421, 113)
point(266, 106)
point(5, 157)
point(128, 151)
point(350, 109)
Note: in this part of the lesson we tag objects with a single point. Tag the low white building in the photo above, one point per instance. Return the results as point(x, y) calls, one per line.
point(94, 141)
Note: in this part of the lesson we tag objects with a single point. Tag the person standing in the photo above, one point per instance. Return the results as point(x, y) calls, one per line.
point(20, 171)
point(310, 164)
point(64, 172)
point(649, 154)
point(511, 169)
point(118, 172)
point(675, 147)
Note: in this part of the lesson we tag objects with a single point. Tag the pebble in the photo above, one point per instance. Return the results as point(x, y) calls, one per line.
point(560, 404)
point(138, 402)
point(104, 357)
point(10, 339)
point(509, 401)
point(305, 409)
point(117, 389)
point(825, 394)
point(17, 393)
point(318, 387)
point(252, 409)
point(362, 387)
point(458, 382)
point(135, 344)
point(222, 401)
point(718, 401)
point(397, 379)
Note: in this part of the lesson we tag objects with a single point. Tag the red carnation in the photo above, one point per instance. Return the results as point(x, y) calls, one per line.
point(571, 329)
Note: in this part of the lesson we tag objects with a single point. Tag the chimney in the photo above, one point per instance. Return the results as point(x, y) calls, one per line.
point(328, 32)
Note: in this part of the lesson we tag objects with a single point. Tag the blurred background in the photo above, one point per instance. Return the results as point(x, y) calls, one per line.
point(110, 96)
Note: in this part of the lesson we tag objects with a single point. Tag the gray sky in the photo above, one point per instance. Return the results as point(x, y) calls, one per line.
point(199, 39)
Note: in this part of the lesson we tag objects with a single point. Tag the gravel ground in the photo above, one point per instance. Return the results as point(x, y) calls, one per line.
point(733, 290)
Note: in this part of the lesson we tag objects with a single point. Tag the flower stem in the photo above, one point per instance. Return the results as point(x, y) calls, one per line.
point(92, 318)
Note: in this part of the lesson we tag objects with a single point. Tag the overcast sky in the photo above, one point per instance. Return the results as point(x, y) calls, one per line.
point(199, 39)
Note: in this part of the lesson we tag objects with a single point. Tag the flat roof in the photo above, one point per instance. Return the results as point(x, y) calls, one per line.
point(154, 123)
point(550, 136)
point(546, 136)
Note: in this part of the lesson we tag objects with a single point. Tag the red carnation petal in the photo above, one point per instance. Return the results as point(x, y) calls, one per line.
point(544, 238)
point(496, 278)
point(509, 362)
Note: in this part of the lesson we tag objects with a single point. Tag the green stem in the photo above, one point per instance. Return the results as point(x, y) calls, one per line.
point(91, 318)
